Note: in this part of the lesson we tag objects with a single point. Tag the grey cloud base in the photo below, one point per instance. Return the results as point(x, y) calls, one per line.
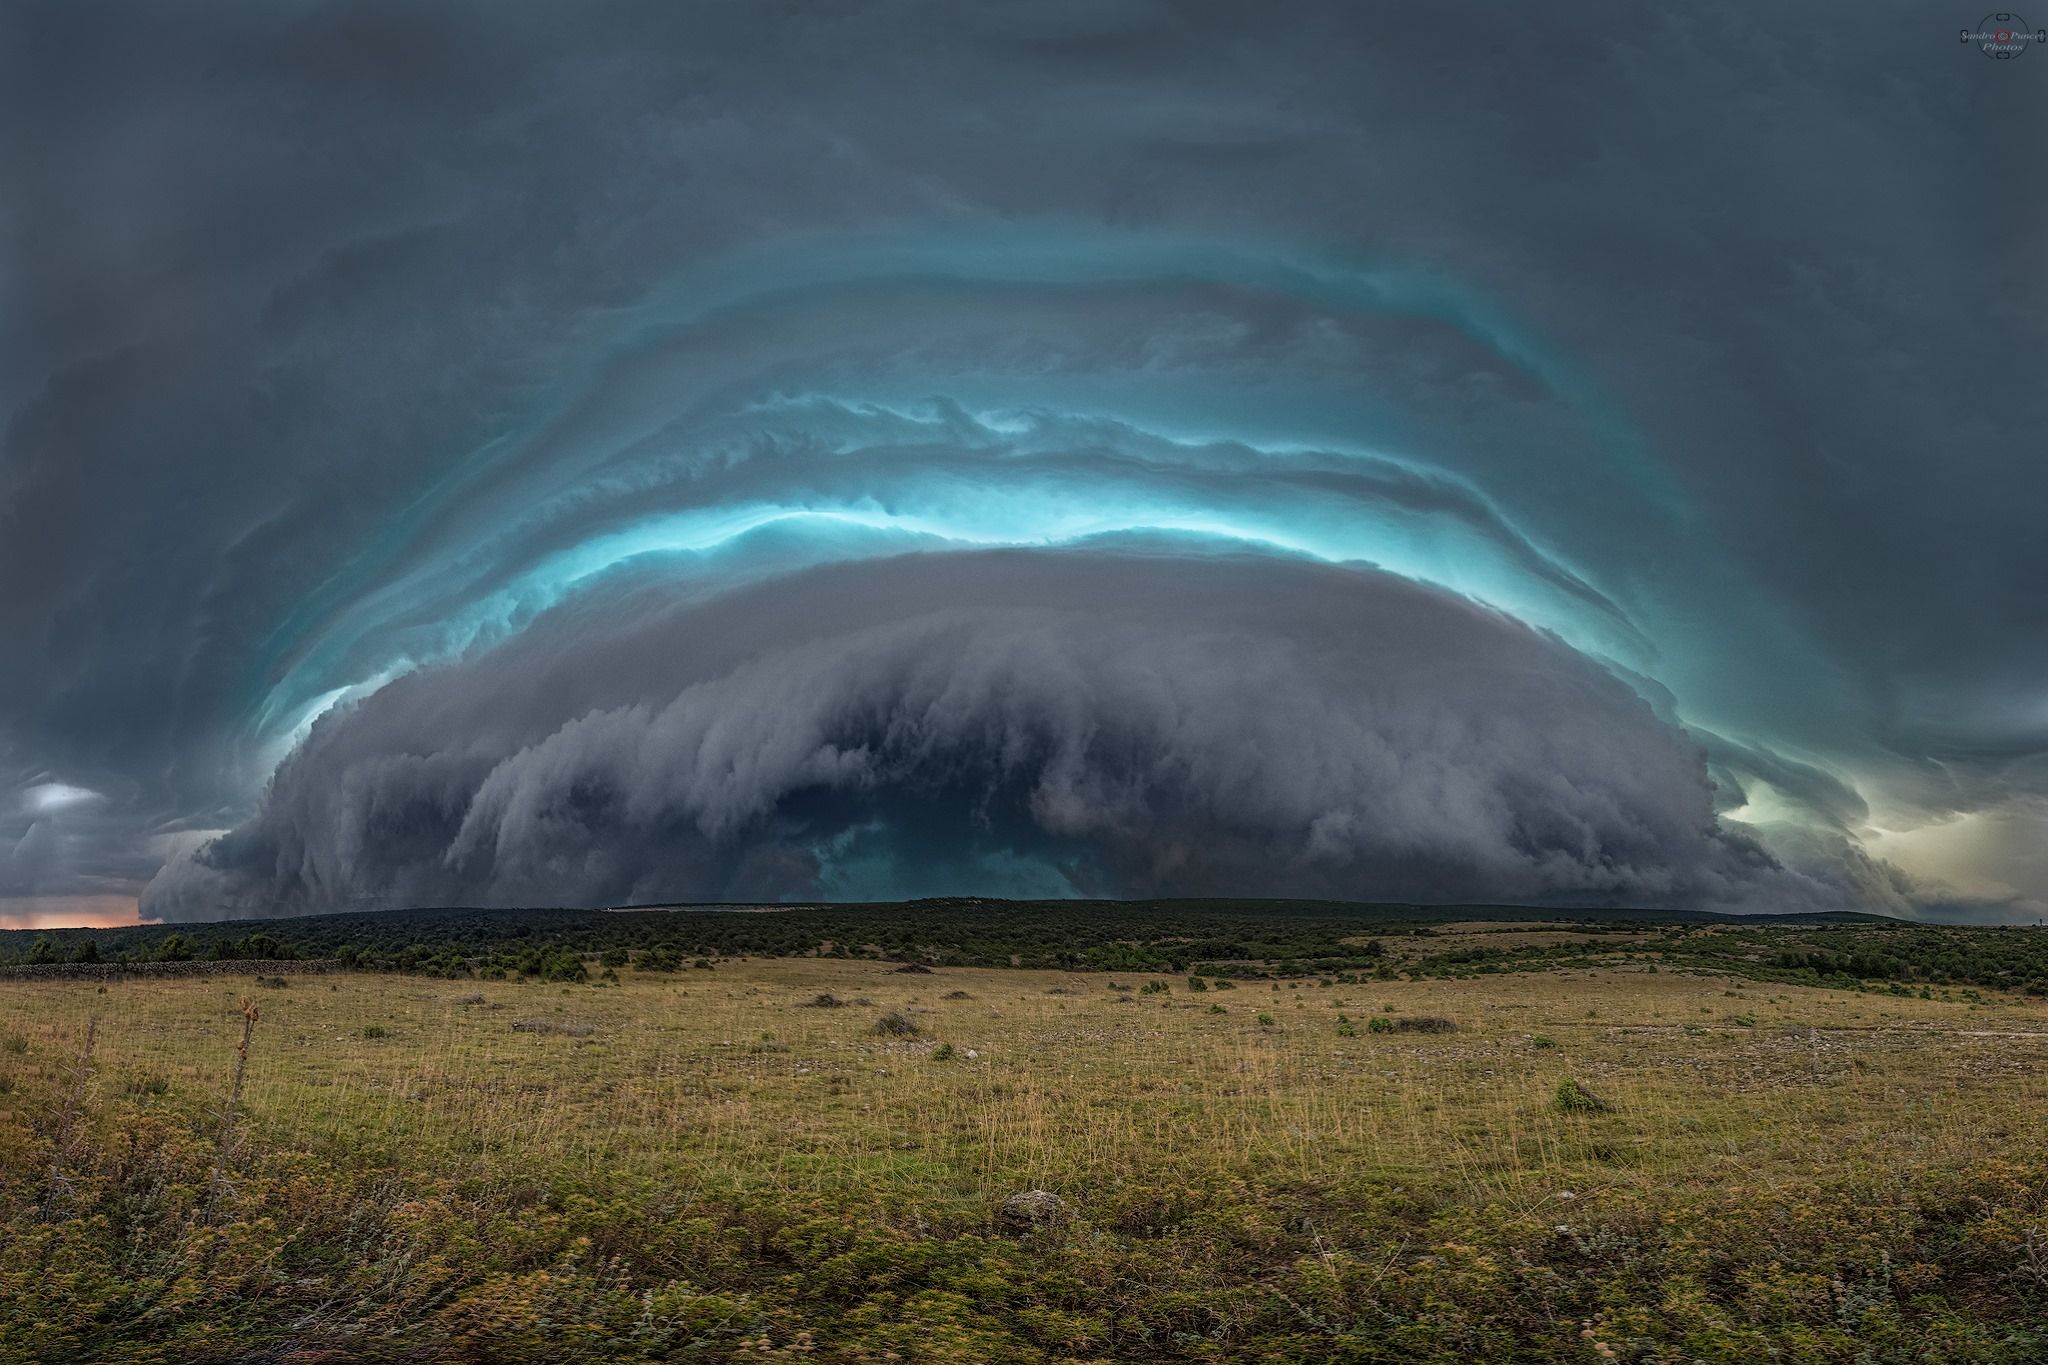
point(1115, 723)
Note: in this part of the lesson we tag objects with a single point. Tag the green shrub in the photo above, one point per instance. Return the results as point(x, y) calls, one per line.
point(1573, 1098)
point(1154, 988)
point(375, 1031)
point(943, 1052)
point(1542, 1040)
point(1379, 1023)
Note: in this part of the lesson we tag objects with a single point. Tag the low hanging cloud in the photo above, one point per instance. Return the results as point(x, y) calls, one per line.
point(1114, 722)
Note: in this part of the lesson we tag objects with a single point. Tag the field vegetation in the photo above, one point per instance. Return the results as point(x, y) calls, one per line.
point(1623, 1156)
point(1208, 937)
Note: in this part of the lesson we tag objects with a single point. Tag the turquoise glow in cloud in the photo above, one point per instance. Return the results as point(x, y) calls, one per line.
point(1323, 505)
point(1013, 386)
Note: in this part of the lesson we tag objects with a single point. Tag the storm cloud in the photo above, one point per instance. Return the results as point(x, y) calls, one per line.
point(1090, 723)
point(434, 431)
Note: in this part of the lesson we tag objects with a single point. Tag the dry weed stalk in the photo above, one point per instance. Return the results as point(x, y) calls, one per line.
point(67, 1123)
point(216, 1183)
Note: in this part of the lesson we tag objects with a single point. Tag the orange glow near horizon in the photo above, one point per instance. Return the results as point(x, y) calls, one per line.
point(68, 912)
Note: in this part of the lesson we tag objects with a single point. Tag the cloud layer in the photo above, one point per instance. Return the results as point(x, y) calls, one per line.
point(1137, 723)
point(344, 344)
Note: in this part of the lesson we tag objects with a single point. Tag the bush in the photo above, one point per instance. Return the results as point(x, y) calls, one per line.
point(552, 962)
point(1425, 1023)
point(613, 958)
point(261, 947)
point(1379, 1023)
point(943, 1052)
point(1573, 1098)
point(1542, 1040)
point(1154, 988)
point(660, 958)
point(375, 1031)
point(896, 1024)
point(1195, 983)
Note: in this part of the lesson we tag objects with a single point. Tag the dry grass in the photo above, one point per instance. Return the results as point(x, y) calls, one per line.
point(708, 1167)
point(730, 1084)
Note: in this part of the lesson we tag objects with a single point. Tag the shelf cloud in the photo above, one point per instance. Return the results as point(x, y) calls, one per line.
point(1151, 722)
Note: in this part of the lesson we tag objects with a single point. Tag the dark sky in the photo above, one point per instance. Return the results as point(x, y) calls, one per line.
point(516, 453)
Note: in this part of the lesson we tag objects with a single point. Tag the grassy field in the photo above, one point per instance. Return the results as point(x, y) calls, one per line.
point(712, 1165)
